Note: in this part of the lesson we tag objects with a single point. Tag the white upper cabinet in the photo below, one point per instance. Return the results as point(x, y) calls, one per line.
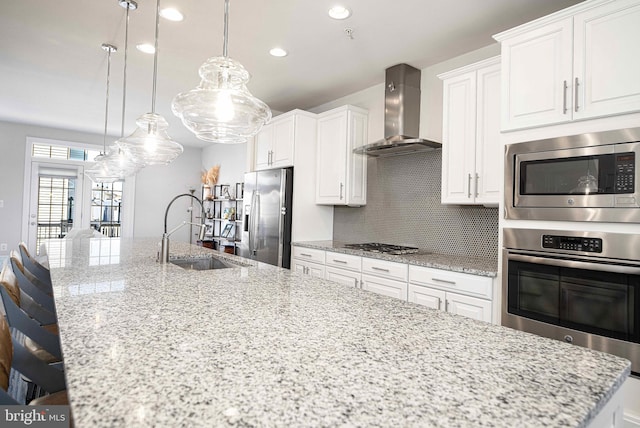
point(275, 143)
point(341, 174)
point(579, 63)
point(607, 59)
point(471, 145)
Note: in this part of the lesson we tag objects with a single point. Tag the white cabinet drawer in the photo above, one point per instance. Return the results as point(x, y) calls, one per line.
point(386, 287)
point(309, 254)
point(384, 268)
point(463, 283)
point(342, 276)
point(344, 261)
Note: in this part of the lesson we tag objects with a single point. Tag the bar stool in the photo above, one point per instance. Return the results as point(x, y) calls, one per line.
point(42, 341)
point(14, 355)
point(33, 266)
point(30, 281)
point(22, 298)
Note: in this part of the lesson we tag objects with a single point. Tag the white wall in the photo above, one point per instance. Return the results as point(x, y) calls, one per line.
point(156, 186)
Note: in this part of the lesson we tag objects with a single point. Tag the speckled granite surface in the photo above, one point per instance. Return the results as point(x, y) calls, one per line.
point(475, 266)
point(151, 345)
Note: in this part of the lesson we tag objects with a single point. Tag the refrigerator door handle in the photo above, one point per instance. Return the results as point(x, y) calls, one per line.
point(255, 208)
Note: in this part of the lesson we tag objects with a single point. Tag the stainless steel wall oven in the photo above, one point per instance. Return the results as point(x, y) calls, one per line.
point(588, 177)
point(580, 287)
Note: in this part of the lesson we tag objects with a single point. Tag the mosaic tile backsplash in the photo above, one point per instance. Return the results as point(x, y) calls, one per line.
point(403, 207)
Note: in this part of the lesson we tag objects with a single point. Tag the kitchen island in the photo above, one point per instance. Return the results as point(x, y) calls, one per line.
point(146, 344)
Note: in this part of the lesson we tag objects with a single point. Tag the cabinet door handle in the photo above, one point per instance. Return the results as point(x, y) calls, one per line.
point(439, 303)
point(270, 161)
point(341, 188)
point(576, 95)
point(340, 261)
point(446, 305)
point(356, 283)
point(380, 269)
point(469, 187)
point(477, 180)
point(305, 254)
point(564, 98)
point(446, 281)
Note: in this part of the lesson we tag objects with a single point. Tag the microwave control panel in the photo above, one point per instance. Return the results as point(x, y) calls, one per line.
point(625, 172)
point(592, 245)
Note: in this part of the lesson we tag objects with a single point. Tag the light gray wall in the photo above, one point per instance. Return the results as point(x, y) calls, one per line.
point(156, 186)
point(230, 157)
point(13, 138)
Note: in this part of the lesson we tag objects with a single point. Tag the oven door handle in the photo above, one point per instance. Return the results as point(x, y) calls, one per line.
point(608, 266)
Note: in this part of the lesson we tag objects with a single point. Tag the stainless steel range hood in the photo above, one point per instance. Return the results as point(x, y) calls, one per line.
point(401, 116)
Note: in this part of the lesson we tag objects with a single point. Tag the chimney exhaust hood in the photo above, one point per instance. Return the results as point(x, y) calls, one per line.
point(401, 116)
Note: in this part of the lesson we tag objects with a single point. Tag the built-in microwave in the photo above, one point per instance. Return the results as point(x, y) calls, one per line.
point(588, 177)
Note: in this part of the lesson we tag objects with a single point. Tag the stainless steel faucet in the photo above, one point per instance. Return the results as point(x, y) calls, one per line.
point(163, 257)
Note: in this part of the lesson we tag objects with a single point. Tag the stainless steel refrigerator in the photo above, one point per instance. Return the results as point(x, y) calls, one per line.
point(266, 225)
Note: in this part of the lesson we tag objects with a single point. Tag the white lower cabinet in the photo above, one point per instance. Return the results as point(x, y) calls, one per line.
point(384, 277)
point(457, 293)
point(308, 261)
point(342, 276)
point(384, 286)
point(343, 268)
point(454, 292)
point(307, 268)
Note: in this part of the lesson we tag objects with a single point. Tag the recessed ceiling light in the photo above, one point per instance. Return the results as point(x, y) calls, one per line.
point(146, 48)
point(171, 14)
point(339, 12)
point(279, 52)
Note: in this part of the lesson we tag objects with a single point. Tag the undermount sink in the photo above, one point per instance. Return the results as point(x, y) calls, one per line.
point(201, 263)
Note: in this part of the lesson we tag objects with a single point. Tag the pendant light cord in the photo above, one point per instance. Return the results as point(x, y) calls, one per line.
point(109, 49)
point(124, 73)
point(225, 40)
point(155, 59)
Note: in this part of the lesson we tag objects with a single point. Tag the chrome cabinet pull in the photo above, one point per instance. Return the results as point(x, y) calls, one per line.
point(576, 95)
point(477, 179)
point(446, 305)
point(380, 269)
point(446, 281)
point(340, 261)
point(305, 254)
point(356, 283)
point(341, 188)
point(439, 303)
point(469, 187)
point(564, 98)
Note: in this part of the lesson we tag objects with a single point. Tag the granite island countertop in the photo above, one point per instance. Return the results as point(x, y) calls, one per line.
point(470, 265)
point(146, 344)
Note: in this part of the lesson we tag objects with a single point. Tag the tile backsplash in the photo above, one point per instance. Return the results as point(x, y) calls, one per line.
point(403, 207)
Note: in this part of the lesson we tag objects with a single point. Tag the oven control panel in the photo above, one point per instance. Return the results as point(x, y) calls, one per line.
point(592, 245)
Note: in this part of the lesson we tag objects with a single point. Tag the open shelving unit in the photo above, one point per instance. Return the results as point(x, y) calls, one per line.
point(223, 217)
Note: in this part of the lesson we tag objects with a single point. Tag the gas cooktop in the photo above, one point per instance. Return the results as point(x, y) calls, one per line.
point(376, 247)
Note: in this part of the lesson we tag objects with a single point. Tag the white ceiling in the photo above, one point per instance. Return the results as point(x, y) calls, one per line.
point(53, 71)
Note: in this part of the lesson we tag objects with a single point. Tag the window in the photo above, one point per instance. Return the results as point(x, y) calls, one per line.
point(106, 206)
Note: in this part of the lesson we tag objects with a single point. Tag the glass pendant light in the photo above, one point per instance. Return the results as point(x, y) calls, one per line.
point(150, 143)
point(116, 161)
point(221, 109)
point(99, 171)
